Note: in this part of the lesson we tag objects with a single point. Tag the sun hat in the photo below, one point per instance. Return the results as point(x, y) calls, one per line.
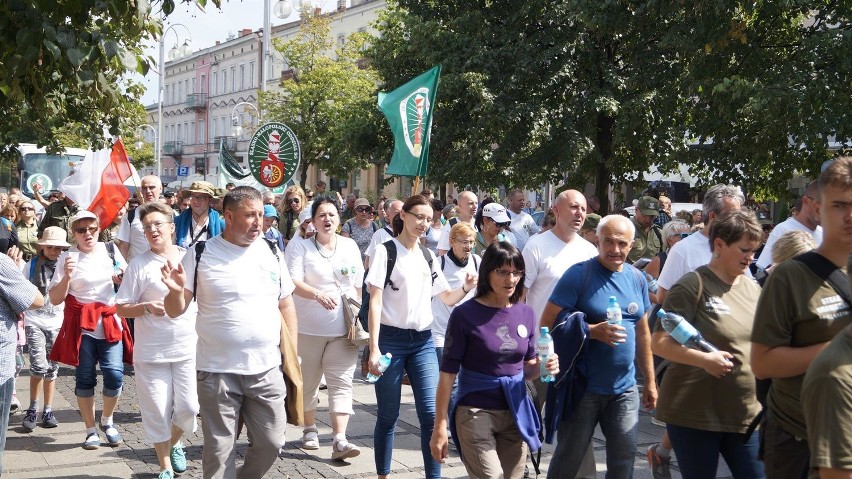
point(203, 188)
point(362, 202)
point(53, 236)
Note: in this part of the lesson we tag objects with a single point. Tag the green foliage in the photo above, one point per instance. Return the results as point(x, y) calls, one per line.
point(329, 101)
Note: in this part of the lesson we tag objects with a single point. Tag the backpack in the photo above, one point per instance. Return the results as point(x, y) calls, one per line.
point(199, 248)
point(363, 313)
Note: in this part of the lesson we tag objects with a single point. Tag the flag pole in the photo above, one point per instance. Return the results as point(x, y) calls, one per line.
point(416, 186)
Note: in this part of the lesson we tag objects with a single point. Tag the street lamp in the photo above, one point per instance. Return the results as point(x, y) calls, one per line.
point(237, 127)
point(175, 53)
point(283, 9)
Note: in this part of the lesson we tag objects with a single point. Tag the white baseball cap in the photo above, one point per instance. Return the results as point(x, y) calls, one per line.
point(496, 212)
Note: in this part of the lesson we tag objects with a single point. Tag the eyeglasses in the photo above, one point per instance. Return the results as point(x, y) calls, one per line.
point(154, 226)
point(23, 208)
point(199, 197)
point(505, 273)
point(310, 197)
point(683, 235)
point(294, 200)
point(363, 209)
point(90, 230)
point(464, 242)
point(420, 218)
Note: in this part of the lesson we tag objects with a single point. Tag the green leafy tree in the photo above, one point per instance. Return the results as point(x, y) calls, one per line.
point(327, 98)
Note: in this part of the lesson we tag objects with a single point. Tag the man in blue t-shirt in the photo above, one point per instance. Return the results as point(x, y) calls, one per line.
point(612, 397)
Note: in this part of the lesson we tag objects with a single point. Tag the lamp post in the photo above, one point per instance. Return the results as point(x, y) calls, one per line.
point(175, 53)
point(237, 127)
point(283, 9)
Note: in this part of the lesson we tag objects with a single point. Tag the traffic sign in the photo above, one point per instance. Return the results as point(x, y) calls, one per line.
point(183, 171)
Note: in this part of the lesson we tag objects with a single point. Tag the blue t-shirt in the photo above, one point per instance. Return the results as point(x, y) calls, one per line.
point(609, 370)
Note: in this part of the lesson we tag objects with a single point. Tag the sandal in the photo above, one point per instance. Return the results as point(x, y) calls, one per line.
point(310, 438)
point(344, 449)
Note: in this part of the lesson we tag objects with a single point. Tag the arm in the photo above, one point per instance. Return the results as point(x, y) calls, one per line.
point(653, 269)
point(304, 290)
point(442, 252)
point(38, 301)
point(452, 297)
point(59, 291)
point(123, 247)
point(782, 361)
point(661, 294)
point(288, 317)
point(646, 362)
point(440, 442)
point(831, 473)
point(715, 364)
point(604, 332)
point(136, 310)
point(374, 321)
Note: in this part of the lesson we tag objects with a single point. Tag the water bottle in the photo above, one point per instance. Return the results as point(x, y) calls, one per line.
point(683, 332)
point(545, 349)
point(384, 362)
point(652, 283)
point(613, 312)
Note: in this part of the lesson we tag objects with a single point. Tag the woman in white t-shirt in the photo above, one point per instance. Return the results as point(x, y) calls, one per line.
point(164, 349)
point(400, 319)
point(92, 333)
point(323, 268)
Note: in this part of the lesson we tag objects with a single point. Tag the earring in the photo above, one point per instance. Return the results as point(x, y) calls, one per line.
point(715, 255)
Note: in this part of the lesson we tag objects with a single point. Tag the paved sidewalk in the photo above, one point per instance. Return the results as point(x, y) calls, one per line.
point(58, 453)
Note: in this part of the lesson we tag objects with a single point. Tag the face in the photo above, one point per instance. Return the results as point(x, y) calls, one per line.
point(516, 201)
point(615, 243)
point(294, 202)
point(199, 202)
point(158, 230)
point(462, 245)
point(665, 203)
point(590, 236)
point(395, 209)
point(185, 203)
point(244, 221)
point(645, 220)
point(492, 227)
point(86, 234)
point(151, 189)
point(52, 252)
point(120, 215)
point(736, 257)
point(326, 220)
point(365, 213)
point(268, 222)
point(835, 213)
point(321, 188)
point(350, 202)
point(27, 211)
point(809, 208)
point(570, 210)
point(505, 279)
point(467, 205)
point(677, 236)
point(417, 220)
point(169, 200)
point(728, 204)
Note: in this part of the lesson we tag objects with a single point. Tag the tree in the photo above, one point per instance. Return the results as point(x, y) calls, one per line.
point(326, 97)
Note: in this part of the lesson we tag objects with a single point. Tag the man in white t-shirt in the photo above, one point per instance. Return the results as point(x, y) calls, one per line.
point(806, 219)
point(467, 214)
point(244, 295)
point(131, 239)
point(523, 225)
point(392, 207)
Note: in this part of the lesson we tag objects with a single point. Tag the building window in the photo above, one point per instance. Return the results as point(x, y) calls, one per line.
point(224, 81)
point(193, 85)
point(203, 83)
point(233, 79)
point(341, 39)
point(251, 74)
point(215, 83)
point(201, 131)
point(191, 138)
point(214, 128)
point(242, 76)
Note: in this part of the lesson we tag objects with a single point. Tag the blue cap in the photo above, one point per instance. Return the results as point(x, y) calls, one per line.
point(269, 211)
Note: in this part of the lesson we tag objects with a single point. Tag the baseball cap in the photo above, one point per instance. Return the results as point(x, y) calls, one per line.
point(592, 221)
point(496, 212)
point(305, 215)
point(649, 206)
point(269, 212)
point(763, 217)
point(82, 215)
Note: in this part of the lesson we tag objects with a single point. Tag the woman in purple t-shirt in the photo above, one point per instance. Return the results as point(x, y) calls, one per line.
point(490, 345)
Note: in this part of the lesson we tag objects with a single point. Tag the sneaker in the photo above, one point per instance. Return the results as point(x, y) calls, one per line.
point(112, 436)
point(658, 464)
point(344, 450)
point(15, 405)
point(178, 458)
point(48, 420)
point(30, 418)
point(92, 441)
point(166, 474)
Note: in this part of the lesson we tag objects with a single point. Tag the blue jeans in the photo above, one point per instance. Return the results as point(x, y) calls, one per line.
point(698, 453)
point(109, 355)
point(618, 415)
point(413, 352)
point(6, 391)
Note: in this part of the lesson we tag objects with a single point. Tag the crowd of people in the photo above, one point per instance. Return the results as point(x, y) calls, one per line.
point(211, 295)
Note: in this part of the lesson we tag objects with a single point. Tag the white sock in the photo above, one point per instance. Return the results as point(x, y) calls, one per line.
point(340, 440)
point(106, 420)
point(663, 451)
point(91, 430)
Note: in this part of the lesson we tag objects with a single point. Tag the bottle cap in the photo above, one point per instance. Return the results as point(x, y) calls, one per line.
point(660, 313)
point(389, 355)
point(612, 299)
point(545, 330)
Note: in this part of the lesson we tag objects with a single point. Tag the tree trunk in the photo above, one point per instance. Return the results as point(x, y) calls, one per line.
point(303, 169)
point(603, 142)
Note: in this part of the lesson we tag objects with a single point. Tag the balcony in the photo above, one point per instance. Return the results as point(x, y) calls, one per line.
point(173, 149)
point(228, 142)
point(196, 101)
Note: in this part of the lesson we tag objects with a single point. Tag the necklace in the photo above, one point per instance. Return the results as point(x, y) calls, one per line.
point(319, 250)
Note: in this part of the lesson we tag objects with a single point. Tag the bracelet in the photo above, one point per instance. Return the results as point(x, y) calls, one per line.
point(464, 290)
point(145, 308)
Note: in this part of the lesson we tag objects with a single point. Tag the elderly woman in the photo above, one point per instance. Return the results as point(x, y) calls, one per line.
point(673, 231)
point(164, 349)
point(294, 203)
point(360, 227)
point(324, 268)
point(92, 333)
point(491, 346)
point(790, 245)
point(27, 229)
point(707, 399)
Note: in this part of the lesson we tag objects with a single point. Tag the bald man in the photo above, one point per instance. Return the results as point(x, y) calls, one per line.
point(467, 214)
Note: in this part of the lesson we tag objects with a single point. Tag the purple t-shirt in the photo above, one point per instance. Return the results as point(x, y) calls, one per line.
point(491, 341)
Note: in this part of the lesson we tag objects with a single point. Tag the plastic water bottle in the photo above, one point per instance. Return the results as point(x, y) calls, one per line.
point(545, 349)
point(652, 283)
point(683, 332)
point(384, 362)
point(613, 312)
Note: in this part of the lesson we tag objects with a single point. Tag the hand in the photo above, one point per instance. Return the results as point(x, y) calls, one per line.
point(470, 282)
point(374, 361)
point(649, 395)
point(552, 364)
point(36, 187)
point(118, 277)
point(17, 255)
point(326, 301)
point(609, 334)
point(70, 264)
point(439, 444)
point(173, 278)
point(156, 308)
point(718, 364)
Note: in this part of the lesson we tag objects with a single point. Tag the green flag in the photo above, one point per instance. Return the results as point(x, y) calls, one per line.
point(408, 110)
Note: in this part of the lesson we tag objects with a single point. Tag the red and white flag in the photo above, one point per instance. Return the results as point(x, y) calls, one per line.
point(98, 184)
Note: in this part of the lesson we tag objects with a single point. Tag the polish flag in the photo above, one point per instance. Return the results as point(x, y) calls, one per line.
point(98, 184)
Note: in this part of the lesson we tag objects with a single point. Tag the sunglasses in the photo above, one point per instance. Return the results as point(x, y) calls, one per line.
point(84, 230)
point(363, 209)
point(294, 200)
point(683, 235)
point(503, 225)
point(27, 209)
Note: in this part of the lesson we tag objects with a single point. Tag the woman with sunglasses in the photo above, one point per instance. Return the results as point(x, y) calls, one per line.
point(400, 319)
point(27, 229)
point(92, 333)
point(492, 223)
point(491, 347)
point(164, 349)
point(361, 227)
point(294, 203)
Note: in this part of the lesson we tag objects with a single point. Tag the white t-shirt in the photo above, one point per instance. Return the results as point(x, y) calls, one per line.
point(132, 233)
point(546, 259)
point(685, 256)
point(444, 242)
point(379, 236)
point(344, 265)
point(156, 339)
point(790, 224)
point(409, 306)
point(238, 322)
point(455, 279)
point(523, 226)
point(91, 281)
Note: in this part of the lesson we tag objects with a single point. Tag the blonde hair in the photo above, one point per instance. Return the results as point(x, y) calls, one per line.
point(792, 244)
point(462, 229)
point(294, 190)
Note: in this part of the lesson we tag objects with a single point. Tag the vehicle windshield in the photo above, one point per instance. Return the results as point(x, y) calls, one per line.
point(45, 169)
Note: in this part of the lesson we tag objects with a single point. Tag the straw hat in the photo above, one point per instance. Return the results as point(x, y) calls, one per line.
point(53, 236)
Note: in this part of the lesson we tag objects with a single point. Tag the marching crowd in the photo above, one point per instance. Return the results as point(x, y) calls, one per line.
point(239, 305)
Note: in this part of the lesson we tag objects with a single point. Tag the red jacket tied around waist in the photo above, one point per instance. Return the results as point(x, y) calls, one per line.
point(81, 317)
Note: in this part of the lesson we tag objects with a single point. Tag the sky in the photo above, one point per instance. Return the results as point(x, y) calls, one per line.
point(205, 27)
